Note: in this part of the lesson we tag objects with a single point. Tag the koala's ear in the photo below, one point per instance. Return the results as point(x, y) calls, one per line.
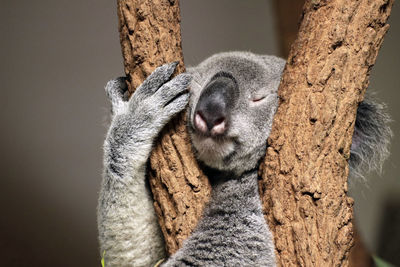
point(277, 64)
point(371, 138)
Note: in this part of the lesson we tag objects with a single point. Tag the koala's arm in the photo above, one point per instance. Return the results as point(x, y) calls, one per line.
point(129, 234)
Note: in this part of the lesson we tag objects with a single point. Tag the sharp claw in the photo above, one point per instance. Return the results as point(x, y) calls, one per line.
point(171, 68)
point(116, 89)
point(175, 63)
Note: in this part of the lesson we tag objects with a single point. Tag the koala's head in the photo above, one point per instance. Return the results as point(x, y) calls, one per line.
point(233, 101)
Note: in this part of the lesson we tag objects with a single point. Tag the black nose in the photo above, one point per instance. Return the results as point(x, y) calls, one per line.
point(213, 110)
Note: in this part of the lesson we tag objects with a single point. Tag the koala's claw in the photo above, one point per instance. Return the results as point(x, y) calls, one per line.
point(174, 88)
point(157, 78)
point(116, 88)
point(177, 105)
point(117, 91)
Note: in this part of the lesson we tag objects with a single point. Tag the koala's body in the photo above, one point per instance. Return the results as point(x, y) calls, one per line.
point(232, 101)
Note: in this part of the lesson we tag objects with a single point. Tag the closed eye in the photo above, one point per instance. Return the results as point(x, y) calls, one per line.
point(258, 99)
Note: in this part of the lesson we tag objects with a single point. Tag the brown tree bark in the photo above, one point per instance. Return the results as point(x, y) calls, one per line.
point(288, 21)
point(304, 185)
point(150, 36)
point(304, 182)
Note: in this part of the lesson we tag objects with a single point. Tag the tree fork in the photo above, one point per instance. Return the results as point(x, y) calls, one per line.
point(304, 176)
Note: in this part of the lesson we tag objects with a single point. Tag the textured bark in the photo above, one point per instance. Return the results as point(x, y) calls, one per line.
point(288, 21)
point(304, 176)
point(150, 36)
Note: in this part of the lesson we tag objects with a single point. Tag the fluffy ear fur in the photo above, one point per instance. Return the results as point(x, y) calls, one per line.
point(371, 138)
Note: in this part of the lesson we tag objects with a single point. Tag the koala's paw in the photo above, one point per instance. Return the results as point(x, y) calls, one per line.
point(158, 99)
point(117, 92)
point(157, 78)
point(153, 103)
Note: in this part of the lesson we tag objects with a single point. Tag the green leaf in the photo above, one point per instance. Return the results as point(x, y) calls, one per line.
point(102, 259)
point(379, 262)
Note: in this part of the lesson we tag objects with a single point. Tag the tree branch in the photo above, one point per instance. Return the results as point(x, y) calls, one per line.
point(150, 36)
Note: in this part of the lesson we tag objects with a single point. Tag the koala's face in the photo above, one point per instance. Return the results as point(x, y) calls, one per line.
point(232, 104)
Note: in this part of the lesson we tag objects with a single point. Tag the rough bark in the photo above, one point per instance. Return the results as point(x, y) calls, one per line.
point(288, 21)
point(150, 36)
point(304, 176)
point(304, 187)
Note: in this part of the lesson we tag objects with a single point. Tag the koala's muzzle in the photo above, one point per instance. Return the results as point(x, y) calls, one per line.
point(213, 111)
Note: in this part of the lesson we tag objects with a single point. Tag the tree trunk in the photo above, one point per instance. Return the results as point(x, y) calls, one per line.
point(304, 176)
point(304, 182)
point(150, 36)
point(288, 21)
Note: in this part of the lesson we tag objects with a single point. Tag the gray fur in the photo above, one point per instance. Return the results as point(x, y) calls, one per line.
point(371, 138)
point(244, 143)
point(128, 230)
point(232, 230)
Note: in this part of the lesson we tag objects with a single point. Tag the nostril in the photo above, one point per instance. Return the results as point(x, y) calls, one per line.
point(219, 126)
point(219, 121)
point(200, 122)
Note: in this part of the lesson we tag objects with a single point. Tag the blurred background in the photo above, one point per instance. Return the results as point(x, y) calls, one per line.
point(56, 57)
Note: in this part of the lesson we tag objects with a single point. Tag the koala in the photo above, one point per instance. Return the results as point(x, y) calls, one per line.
point(231, 104)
